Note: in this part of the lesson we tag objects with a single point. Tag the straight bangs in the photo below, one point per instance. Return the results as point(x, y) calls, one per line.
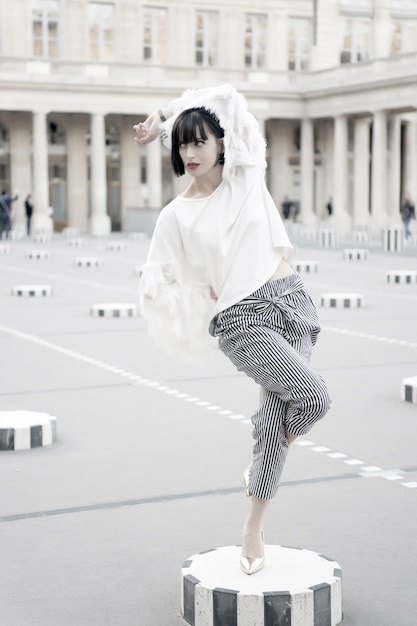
point(189, 129)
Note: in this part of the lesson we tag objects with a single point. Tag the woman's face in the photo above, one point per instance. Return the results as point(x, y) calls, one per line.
point(201, 156)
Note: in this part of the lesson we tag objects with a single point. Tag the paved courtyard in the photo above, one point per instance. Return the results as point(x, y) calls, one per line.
point(147, 467)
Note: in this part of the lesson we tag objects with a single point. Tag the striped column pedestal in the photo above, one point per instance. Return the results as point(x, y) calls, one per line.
point(360, 236)
point(4, 248)
point(355, 254)
point(392, 240)
point(32, 291)
point(22, 430)
point(70, 231)
point(75, 242)
point(341, 300)
point(327, 238)
point(41, 237)
point(117, 246)
point(87, 261)
point(306, 266)
point(38, 255)
point(409, 390)
point(296, 588)
point(402, 276)
point(114, 309)
point(138, 236)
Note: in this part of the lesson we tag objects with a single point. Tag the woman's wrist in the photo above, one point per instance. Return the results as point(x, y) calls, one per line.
point(164, 114)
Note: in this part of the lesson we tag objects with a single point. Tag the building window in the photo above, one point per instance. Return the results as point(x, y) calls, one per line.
point(154, 35)
point(206, 38)
point(100, 22)
point(299, 44)
point(45, 28)
point(255, 41)
point(356, 40)
point(404, 36)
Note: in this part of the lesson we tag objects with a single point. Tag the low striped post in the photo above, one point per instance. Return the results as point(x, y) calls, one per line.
point(392, 240)
point(32, 291)
point(297, 587)
point(114, 309)
point(87, 261)
point(306, 266)
point(22, 430)
point(409, 390)
point(355, 254)
point(341, 300)
point(38, 255)
point(406, 277)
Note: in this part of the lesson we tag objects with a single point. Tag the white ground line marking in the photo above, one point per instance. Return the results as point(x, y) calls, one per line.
point(353, 333)
point(369, 470)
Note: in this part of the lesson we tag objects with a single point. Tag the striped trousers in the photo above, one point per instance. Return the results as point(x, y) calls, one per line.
point(269, 336)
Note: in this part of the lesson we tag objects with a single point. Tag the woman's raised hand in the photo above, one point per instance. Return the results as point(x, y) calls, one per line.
point(147, 131)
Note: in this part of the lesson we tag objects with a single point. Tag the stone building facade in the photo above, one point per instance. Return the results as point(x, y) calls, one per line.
point(333, 84)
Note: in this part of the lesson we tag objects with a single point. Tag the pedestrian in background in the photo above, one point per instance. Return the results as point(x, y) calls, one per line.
point(5, 213)
point(408, 213)
point(29, 211)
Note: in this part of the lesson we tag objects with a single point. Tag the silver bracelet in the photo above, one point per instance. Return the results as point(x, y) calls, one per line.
point(161, 115)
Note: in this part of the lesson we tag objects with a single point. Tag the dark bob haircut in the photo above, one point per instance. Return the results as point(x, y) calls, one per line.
point(188, 128)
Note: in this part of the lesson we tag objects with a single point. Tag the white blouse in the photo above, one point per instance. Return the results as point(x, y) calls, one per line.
point(207, 254)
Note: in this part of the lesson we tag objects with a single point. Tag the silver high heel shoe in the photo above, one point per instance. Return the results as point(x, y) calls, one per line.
point(251, 566)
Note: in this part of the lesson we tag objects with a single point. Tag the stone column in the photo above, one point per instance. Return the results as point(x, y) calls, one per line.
point(154, 174)
point(129, 169)
point(341, 218)
point(20, 165)
point(394, 182)
point(306, 216)
point(99, 221)
point(379, 172)
point(77, 128)
point(410, 165)
point(41, 218)
point(361, 172)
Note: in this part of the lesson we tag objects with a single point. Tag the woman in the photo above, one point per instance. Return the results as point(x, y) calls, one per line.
point(220, 260)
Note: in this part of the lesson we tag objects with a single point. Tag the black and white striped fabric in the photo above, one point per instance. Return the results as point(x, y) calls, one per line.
point(269, 336)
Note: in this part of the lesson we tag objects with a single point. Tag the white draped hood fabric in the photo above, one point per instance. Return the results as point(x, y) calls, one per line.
point(207, 254)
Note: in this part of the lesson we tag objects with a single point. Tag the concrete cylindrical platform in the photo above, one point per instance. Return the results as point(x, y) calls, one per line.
point(114, 309)
point(32, 291)
point(402, 276)
point(296, 587)
point(355, 254)
point(39, 255)
point(306, 266)
point(87, 261)
point(22, 430)
point(341, 300)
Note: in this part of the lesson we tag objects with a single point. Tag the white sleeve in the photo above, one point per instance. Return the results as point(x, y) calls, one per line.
point(177, 312)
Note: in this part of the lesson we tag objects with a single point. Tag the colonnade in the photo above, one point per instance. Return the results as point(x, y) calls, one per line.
point(369, 164)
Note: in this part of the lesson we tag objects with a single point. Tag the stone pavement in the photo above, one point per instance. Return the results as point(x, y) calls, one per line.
point(147, 467)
